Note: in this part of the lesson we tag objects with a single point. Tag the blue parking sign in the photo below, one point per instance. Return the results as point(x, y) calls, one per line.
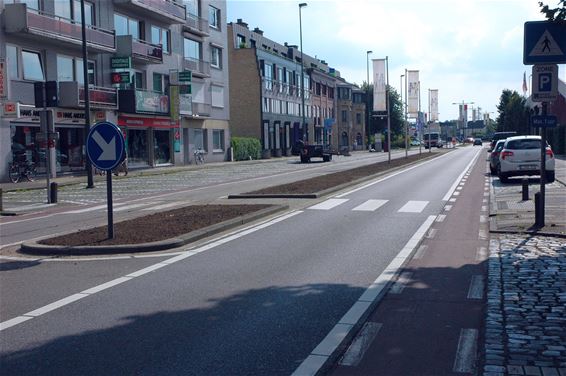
point(105, 146)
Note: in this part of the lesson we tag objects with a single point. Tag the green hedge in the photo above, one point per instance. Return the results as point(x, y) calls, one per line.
point(246, 148)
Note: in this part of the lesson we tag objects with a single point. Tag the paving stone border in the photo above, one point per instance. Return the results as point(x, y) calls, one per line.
point(525, 329)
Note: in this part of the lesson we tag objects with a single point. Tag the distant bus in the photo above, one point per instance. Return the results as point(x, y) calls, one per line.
point(432, 139)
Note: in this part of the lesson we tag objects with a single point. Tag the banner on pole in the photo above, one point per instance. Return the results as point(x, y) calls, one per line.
point(379, 87)
point(434, 105)
point(413, 93)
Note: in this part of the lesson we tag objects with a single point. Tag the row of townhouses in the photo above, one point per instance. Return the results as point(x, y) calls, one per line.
point(173, 75)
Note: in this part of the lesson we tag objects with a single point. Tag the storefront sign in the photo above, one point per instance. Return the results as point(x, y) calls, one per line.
point(121, 62)
point(149, 101)
point(120, 78)
point(100, 115)
point(3, 79)
point(127, 121)
point(185, 104)
point(185, 76)
point(99, 97)
point(10, 109)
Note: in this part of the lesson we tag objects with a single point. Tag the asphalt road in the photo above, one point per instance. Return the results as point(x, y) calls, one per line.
point(256, 301)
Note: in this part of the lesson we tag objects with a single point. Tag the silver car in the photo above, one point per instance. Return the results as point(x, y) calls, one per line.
point(521, 156)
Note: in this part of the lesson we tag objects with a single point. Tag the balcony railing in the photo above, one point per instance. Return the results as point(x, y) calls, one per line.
point(198, 67)
point(20, 19)
point(196, 24)
point(139, 101)
point(202, 109)
point(72, 94)
point(167, 10)
point(138, 49)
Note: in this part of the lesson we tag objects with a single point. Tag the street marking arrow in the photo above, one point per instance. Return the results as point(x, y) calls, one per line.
point(108, 148)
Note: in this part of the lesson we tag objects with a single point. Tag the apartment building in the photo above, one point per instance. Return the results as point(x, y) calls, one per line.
point(139, 55)
point(350, 109)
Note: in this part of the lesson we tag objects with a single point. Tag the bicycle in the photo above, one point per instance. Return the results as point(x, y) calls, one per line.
point(20, 170)
point(199, 156)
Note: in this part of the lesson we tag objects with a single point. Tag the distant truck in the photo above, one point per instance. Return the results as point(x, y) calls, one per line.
point(307, 151)
point(432, 139)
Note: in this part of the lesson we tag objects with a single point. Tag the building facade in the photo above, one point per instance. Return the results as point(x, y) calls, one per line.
point(137, 51)
point(351, 117)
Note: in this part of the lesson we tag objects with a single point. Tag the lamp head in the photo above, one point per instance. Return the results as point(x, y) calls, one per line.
point(301, 5)
point(369, 52)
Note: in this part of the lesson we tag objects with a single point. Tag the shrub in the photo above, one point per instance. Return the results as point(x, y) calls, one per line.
point(246, 148)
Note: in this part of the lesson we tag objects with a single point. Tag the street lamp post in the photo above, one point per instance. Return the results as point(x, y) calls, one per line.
point(367, 99)
point(406, 120)
point(401, 94)
point(301, 5)
point(88, 166)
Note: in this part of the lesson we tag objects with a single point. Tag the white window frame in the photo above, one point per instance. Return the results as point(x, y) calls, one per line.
point(215, 59)
point(23, 68)
point(218, 144)
point(215, 22)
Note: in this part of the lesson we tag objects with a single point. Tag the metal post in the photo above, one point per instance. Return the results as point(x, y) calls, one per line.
point(304, 125)
point(90, 180)
point(542, 166)
point(109, 199)
point(368, 117)
point(406, 121)
point(388, 112)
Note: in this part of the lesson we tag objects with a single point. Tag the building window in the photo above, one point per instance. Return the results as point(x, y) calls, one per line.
point(358, 118)
point(161, 36)
point(317, 88)
point(126, 26)
point(137, 80)
point(12, 56)
point(331, 92)
point(65, 68)
point(344, 115)
point(192, 7)
point(214, 17)
point(199, 138)
point(240, 41)
point(192, 49)
point(31, 4)
point(215, 57)
point(32, 67)
point(79, 75)
point(268, 74)
point(217, 140)
point(217, 96)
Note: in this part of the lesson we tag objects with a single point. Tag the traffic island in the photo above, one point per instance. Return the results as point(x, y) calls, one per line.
point(148, 234)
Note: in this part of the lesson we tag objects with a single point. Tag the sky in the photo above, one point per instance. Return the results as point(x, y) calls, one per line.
point(470, 50)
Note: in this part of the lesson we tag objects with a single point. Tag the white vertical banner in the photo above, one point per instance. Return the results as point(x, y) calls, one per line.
point(413, 93)
point(379, 89)
point(434, 105)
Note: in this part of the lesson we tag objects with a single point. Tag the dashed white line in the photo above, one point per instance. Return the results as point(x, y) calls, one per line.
point(447, 207)
point(420, 252)
point(360, 344)
point(441, 218)
point(401, 283)
point(329, 204)
point(466, 352)
point(476, 288)
point(481, 254)
point(431, 233)
point(370, 205)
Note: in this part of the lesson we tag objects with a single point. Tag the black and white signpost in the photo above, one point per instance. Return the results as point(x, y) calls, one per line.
point(544, 46)
point(105, 148)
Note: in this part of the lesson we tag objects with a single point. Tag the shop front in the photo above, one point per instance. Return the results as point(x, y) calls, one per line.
point(149, 141)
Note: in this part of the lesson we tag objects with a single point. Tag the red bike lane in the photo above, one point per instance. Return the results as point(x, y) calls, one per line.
point(431, 320)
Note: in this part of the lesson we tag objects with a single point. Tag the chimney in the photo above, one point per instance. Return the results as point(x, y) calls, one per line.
point(257, 30)
point(241, 23)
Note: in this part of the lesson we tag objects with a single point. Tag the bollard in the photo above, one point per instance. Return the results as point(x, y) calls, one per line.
point(539, 220)
point(53, 193)
point(525, 189)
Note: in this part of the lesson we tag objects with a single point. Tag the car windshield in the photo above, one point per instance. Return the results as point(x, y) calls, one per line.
point(499, 146)
point(523, 144)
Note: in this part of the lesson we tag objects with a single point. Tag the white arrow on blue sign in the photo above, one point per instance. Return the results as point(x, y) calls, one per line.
point(105, 146)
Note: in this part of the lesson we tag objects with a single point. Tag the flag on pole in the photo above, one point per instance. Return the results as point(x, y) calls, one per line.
point(524, 83)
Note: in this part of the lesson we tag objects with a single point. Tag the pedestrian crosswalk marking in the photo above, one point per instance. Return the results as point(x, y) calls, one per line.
point(413, 207)
point(329, 204)
point(370, 205)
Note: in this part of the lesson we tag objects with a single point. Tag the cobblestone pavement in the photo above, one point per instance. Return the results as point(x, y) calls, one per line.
point(526, 311)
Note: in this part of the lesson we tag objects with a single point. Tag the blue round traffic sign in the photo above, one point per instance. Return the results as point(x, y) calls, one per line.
point(105, 146)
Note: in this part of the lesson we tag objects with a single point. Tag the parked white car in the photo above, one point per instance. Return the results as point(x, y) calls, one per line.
point(521, 156)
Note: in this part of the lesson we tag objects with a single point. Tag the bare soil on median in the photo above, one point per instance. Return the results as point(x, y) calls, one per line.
point(173, 223)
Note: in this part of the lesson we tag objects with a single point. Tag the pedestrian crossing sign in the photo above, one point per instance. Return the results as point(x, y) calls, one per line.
point(544, 43)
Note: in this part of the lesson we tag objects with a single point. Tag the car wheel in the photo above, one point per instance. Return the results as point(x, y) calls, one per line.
point(550, 176)
point(492, 170)
point(503, 177)
point(304, 159)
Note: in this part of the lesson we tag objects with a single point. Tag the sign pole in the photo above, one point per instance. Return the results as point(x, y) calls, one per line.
point(542, 166)
point(109, 200)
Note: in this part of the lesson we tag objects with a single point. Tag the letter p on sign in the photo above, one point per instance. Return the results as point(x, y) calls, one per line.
point(545, 82)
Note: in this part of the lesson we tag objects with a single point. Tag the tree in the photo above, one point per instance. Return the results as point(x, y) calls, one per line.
point(557, 14)
point(513, 113)
point(501, 107)
point(378, 122)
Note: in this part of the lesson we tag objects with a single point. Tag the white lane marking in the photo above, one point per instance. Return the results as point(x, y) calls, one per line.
point(447, 207)
point(312, 364)
point(431, 233)
point(131, 206)
point(370, 205)
point(413, 207)
point(329, 204)
point(92, 208)
point(483, 218)
point(481, 254)
point(441, 218)
point(482, 235)
point(484, 201)
point(476, 287)
point(390, 176)
point(360, 344)
point(401, 282)
point(486, 194)
point(457, 181)
point(73, 298)
point(453, 199)
point(420, 252)
point(456, 193)
point(466, 352)
point(163, 206)
point(484, 208)
point(458, 188)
